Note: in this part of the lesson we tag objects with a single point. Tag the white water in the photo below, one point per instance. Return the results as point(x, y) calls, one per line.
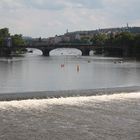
point(106, 117)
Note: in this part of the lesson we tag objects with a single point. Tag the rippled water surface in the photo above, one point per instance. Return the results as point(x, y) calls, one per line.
point(107, 117)
point(33, 72)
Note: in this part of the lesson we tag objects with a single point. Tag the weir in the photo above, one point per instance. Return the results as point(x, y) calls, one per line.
point(67, 93)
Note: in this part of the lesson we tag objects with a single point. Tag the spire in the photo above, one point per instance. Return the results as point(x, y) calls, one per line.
point(67, 31)
point(127, 25)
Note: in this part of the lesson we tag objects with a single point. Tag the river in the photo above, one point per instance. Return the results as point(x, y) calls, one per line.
point(65, 69)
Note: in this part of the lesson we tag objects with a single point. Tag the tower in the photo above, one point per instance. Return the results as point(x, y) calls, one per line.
point(127, 26)
point(67, 31)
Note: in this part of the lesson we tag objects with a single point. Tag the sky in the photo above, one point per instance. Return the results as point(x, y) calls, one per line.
point(46, 18)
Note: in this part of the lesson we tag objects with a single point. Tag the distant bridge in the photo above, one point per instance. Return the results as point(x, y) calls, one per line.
point(84, 48)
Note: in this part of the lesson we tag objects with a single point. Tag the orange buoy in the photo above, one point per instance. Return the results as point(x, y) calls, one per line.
point(78, 68)
point(62, 65)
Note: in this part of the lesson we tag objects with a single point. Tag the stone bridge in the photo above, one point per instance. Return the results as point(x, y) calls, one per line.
point(84, 48)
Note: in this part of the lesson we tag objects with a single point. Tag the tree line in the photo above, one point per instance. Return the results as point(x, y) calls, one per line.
point(10, 44)
point(119, 39)
point(128, 40)
point(16, 40)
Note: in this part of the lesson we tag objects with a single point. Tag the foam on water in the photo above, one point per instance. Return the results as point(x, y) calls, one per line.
point(106, 117)
point(34, 103)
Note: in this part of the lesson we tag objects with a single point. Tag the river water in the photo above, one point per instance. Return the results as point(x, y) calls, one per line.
point(65, 69)
point(107, 117)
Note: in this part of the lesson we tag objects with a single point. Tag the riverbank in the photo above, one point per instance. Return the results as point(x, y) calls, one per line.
point(104, 117)
point(66, 93)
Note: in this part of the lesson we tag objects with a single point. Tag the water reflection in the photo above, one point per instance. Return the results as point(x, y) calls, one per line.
point(37, 73)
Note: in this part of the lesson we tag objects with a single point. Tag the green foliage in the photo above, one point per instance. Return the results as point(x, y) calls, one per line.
point(137, 40)
point(124, 39)
point(120, 39)
point(99, 39)
point(4, 33)
point(1, 41)
point(17, 40)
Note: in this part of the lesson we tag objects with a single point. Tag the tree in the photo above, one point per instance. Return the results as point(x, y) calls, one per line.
point(99, 39)
point(137, 40)
point(17, 40)
point(4, 33)
point(124, 39)
point(136, 45)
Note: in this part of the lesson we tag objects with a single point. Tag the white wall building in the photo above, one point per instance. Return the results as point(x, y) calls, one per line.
point(57, 39)
point(77, 37)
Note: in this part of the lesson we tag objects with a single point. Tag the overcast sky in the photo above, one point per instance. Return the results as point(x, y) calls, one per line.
point(50, 17)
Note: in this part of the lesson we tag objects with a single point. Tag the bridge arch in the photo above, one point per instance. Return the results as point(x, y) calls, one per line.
point(34, 51)
point(84, 51)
